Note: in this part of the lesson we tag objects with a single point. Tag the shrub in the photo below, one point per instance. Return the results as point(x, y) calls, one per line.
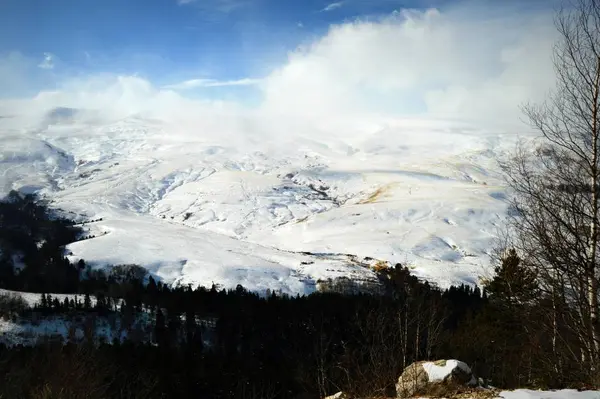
point(12, 305)
point(129, 272)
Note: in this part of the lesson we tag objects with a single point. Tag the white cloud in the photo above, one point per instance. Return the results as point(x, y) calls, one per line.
point(197, 83)
point(48, 62)
point(333, 6)
point(182, 2)
point(114, 97)
point(460, 63)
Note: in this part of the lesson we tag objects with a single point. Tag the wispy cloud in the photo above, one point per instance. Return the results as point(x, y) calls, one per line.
point(333, 6)
point(48, 62)
point(219, 6)
point(198, 83)
point(227, 6)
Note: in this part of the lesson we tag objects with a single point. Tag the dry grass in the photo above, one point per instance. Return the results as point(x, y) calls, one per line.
point(379, 266)
point(447, 392)
point(477, 394)
point(376, 195)
point(456, 391)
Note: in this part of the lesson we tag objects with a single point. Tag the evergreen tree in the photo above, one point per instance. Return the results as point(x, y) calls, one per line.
point(513, 282)
point(193, 332)
point(160, 330)
point(87, 302)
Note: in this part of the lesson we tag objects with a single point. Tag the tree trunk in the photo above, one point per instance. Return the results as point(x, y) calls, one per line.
point(592, 294)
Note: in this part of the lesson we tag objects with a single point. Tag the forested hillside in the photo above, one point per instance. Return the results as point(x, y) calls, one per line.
point(208, 342)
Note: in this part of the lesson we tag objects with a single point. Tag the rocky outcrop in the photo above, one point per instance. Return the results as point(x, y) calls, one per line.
point(413, 379)
point(436, 378)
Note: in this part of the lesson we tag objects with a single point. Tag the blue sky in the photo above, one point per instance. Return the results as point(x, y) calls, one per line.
point(247, 50)
point(170, 40)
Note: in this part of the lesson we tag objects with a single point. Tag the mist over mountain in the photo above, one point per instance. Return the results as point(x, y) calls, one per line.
point(375, 140)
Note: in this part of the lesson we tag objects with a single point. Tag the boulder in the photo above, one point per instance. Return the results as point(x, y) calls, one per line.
point(434, 377)
point(414, 378)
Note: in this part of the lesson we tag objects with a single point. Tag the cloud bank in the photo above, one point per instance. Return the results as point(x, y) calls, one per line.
point(460, 63)
point(440, 64)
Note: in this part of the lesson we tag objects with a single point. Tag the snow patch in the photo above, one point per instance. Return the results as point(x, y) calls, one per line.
point(438, 373)
point(563, 394)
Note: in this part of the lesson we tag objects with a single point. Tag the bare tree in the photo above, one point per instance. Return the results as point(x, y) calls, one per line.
point(556, 182)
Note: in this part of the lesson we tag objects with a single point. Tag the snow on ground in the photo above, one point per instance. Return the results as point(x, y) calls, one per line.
point(563, 394)
point(35, 298)
point(437, 372)
point(242, 200)
point(32, 330)
point(73, 328)
point(184, 255)
point(36, 327)
point(57, 327)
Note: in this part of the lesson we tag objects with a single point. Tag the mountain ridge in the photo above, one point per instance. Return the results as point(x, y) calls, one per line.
point(425, 194)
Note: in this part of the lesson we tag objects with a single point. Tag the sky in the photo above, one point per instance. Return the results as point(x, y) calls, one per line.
point(466, 58)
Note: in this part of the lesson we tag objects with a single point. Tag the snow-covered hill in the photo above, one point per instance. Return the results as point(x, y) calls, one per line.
point(264, 202)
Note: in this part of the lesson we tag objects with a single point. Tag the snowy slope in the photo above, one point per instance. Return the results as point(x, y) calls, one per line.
point(243, 200)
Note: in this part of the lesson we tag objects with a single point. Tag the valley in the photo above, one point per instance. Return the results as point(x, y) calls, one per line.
point(239, 204)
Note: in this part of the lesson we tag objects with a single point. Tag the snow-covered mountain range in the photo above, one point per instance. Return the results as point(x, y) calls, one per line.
point(266, 202)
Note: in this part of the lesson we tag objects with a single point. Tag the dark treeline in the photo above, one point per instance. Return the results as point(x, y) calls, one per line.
point(213, 343)
point(216, 343)
point(32, 244)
